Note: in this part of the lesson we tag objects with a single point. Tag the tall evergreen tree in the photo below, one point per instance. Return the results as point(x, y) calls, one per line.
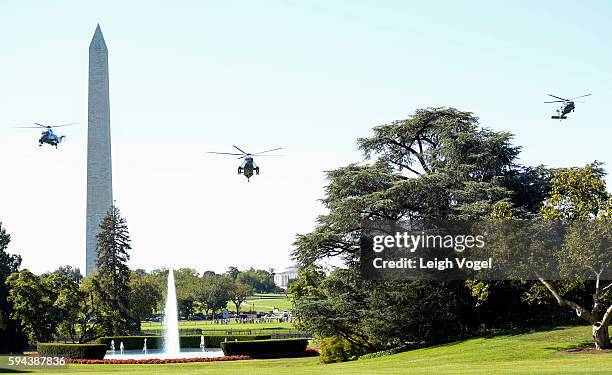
point(113, 274)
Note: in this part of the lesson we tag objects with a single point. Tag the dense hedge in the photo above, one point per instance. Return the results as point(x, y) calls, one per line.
point(259, 347)
point(182, 331)
point(189, 341)
point(81, 351)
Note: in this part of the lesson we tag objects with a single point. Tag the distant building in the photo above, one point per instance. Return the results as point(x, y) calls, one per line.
point(281, 279)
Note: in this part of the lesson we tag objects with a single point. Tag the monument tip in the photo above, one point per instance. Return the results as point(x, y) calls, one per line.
point(97, 42)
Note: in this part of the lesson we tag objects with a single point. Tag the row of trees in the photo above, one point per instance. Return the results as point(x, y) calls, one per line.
point(113, 300)
point(40, 307)
point(208, 292)
point(441, 165)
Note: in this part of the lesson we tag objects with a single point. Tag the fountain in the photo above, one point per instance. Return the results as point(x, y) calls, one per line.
point(171, 329)
point(171, 344)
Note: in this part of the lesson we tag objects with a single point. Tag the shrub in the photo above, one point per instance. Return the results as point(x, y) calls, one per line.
point(189, 341)
point(337, 349)
point(80, 351)
point(264, 347)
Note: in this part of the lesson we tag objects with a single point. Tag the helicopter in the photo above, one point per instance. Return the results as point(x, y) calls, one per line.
point(566, 107)
point(47, 135)
point(248, 166)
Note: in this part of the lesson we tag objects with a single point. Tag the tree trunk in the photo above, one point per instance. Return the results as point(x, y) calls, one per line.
point(601, 336)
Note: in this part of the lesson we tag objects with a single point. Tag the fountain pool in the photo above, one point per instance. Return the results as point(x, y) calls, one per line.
point(171, 347)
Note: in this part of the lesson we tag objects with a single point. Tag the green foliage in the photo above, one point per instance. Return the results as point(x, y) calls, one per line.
point(578, 194)
point(260, 347)
point(374, 315)
point(74, 273)
point(232, 272)
point(238, 293)
point(41, 304)
point(578, 200)
point(12, 337)
point(81, 351)
point(187, 286)
point(261, 281)
point(145, 295)
point(337, 349)
point(112, 278)
point(214, 291)
point(439, 164)
point(186, 341)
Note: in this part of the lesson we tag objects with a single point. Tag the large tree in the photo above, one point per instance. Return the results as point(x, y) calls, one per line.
point(145, 295)
point(214, 292)
point(238, 293)
point(261, 281)
point(579, 199)
point(113, 274)
point(84, 313)
point(41, 304)
point(187, 286)
point(12, 338)
point(439, 164)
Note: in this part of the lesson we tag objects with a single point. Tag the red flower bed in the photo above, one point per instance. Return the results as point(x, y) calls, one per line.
point(305, 353)
point(153, 361)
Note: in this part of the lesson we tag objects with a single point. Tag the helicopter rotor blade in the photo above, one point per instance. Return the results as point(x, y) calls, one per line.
point(565, 100)
point(274, 149)
point(239, 149)
point(55, 126)
point(581, 96)
point(223, 153)
point(556, 101)
point(59, 126)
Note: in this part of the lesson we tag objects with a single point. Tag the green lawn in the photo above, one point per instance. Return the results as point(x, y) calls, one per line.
point(207, 325)
point(532, 353)
point(267, 302)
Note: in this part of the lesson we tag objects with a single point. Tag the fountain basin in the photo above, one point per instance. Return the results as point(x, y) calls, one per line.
point(160, 354)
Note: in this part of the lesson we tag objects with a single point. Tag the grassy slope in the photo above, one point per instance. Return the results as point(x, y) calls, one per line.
point(533, 353)
point(266, 302)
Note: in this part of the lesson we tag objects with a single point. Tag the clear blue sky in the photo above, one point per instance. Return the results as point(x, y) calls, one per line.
point(311, 76)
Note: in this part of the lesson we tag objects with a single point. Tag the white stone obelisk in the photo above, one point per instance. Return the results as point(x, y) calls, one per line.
point(99, 166)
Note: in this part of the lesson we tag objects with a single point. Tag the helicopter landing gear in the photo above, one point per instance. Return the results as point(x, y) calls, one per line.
point(257, 171)
point(239, 170)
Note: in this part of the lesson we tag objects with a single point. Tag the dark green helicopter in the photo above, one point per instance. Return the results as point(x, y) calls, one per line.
point(248, 166)
point(47, 135)
point(566, 107)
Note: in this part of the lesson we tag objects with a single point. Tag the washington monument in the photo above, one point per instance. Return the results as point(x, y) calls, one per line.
point(99, 166)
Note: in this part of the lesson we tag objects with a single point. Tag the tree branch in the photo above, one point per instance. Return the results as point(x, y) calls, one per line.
point(607, 316)
point(580, 311)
